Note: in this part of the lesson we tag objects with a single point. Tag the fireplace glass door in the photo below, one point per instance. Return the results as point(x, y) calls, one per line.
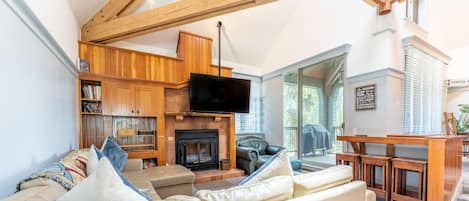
point(197, 149)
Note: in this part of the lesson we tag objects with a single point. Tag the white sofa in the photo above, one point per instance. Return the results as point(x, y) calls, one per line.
point(332, 184)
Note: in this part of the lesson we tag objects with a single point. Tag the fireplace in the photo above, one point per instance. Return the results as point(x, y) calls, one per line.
point(197, 149)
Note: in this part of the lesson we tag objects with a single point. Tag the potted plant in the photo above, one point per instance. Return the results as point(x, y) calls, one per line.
point(462, 123)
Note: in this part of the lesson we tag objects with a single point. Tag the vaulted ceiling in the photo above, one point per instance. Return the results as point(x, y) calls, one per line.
point(247, 34)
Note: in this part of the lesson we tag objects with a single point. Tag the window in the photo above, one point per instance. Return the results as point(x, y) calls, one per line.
point(252, 121)
point(424, 92)
point(412, 10)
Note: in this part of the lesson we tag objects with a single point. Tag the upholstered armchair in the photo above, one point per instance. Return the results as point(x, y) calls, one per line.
point(252, 152)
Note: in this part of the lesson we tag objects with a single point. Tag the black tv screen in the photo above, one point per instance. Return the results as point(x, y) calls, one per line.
point(209, 93)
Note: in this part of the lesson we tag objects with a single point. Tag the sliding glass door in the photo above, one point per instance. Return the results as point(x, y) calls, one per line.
point(313, 111)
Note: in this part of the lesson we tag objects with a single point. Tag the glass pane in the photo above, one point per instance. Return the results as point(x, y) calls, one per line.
point(290, 113)
point(205, 152)
point(192, 155)
point(322, 112)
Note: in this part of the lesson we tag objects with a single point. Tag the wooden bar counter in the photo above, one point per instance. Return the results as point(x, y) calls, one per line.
point(444, 158)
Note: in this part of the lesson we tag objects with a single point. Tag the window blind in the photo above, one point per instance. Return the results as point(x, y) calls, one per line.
point(252, 121)
point(424, 92)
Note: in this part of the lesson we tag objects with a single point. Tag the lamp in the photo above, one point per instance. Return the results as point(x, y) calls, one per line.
point(384, 6)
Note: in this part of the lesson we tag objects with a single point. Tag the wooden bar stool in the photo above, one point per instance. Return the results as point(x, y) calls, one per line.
point(369, 164)
point(400, 166)
point(351, 159)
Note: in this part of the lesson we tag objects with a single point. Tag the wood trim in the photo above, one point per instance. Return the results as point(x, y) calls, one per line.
point(143, 154)
point(386, 140)
point(130, 50)
point(169, 85)
point(198, 114)
point(171, 15)
point(193, 34)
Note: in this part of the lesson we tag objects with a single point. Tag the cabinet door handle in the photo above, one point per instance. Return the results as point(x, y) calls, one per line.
point(132, 111)
point(138, 112)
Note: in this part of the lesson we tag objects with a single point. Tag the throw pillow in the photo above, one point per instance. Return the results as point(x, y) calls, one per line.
point(114, 153)
point(278, 165)
point(93, 160)
point(103, 185)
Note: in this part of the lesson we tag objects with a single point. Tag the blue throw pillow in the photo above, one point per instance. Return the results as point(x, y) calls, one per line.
point(114, 153)
point(125, 180)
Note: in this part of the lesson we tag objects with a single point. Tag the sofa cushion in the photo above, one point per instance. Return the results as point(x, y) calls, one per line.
point(93, 159)
point(353, 191)
point(277, 165)
point(104, 184)
point(321, 180)
point(38, 193)
point(370, 195)
point(114, 153)
point(273, 189)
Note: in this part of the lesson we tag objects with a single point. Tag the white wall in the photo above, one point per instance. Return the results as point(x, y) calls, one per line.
point(58, 19)
point(272, 91)
point(316, 27)
point(38, 101)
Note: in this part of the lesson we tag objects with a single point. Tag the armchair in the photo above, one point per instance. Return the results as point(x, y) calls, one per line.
point(252, 152)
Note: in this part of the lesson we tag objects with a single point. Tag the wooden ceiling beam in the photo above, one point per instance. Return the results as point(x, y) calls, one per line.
point(111, 10)
point(170, 15)
point(130, 8)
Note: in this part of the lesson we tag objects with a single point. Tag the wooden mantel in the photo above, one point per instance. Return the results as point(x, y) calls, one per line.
point(444, 158)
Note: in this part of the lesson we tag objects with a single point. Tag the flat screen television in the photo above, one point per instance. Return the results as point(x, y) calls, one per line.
point(209, 93)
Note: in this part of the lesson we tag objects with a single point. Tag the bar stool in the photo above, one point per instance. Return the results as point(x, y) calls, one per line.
point(350, 159)
point(399, 168)
point(369, 164)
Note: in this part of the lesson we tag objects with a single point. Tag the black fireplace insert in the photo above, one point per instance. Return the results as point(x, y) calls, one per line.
point(197, 149)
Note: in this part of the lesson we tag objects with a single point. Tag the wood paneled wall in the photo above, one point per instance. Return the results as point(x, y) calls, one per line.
point(113, 66)
point(194, 56)
point(107, 60)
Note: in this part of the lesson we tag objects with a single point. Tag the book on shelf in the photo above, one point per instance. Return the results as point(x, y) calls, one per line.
point(91, 107)
point(92, 92)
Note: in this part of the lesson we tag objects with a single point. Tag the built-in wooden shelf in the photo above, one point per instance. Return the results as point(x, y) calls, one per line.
point(180, 115)
point(89, 99)
point(91, 113)
point(143, 154)
point(137, 145)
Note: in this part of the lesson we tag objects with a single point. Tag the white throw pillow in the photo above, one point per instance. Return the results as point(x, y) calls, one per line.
point(278, 165)
point(93, 160)
point(103, 185)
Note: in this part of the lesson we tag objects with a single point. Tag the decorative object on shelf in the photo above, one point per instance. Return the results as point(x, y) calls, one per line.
point(384, 6)
point(84, 65)
point(365, 97)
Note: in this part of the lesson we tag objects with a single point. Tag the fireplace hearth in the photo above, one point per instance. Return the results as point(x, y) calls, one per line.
point(197, 149)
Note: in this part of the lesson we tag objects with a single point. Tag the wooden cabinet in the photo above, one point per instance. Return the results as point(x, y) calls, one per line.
point(135, 100)
point(146, 99)
point(123, 99)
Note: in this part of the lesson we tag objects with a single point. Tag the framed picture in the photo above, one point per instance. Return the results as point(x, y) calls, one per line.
point(365, 97)
point(84, 65)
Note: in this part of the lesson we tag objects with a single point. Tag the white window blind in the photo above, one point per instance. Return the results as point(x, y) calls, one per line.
point(252, 121)
point(424, 92)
